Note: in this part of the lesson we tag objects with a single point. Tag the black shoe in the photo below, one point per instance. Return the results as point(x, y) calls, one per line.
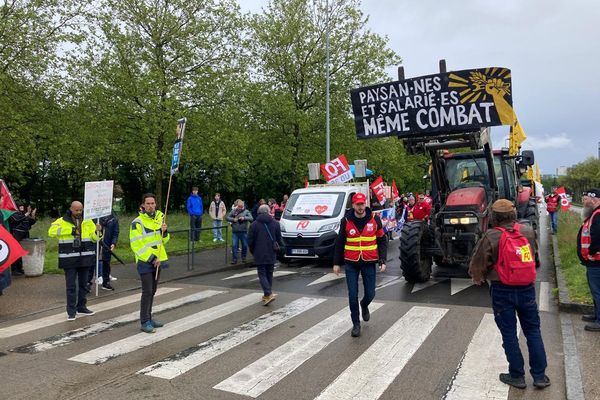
point(541, 383)
point(17, 272)
point(588, 317)
point(233, 262)
point(365, 313)
point(519, 382)
point(355, 331)
point(85, 311)
point(107, 286)
point(593, 327)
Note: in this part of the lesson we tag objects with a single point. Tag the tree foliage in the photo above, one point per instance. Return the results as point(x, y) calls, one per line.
point(582, 176)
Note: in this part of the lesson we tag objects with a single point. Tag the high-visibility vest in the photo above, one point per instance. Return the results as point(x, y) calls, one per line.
point(362, 245)
point(586, 239)
point(552, 203)
point(145, 238)
point(70, 253)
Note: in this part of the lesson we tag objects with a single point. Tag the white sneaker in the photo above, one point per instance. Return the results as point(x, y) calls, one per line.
point(99, 281)
point(215, 239)
point(112, 278)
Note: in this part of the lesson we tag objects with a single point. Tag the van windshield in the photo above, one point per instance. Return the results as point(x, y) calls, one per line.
point(313, 206)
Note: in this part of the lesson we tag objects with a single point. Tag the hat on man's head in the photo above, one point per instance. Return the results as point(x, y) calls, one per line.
point(592, 193)
point(359, 198)
point(503, 206)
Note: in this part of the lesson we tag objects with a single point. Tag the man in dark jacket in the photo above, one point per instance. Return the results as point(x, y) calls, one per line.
point(264, 233)
point(110, 226)
point(588, 250)
point(195, 210)
point(360, 244)
point(20, 223)
point(509, 300)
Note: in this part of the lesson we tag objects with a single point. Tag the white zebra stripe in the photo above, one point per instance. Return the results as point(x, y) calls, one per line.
point(180, 363)
point(370, 375)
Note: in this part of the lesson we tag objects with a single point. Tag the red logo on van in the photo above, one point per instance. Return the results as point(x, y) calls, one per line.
point(303, 224)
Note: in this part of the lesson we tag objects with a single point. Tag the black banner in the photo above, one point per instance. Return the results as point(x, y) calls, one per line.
point(450, 102)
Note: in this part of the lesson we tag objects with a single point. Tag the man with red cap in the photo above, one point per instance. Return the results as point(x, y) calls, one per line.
point(360, 245)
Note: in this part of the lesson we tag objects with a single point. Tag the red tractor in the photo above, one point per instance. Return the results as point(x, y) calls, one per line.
point(464, 185)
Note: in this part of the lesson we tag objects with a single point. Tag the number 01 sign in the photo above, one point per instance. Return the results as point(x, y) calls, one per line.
point(337, 170)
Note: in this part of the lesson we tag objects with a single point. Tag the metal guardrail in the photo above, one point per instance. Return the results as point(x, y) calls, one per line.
point(191, 244)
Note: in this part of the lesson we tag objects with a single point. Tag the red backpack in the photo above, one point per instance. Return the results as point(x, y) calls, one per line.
point(516, 261)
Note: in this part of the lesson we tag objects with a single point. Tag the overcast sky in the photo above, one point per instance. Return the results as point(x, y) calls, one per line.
point(551, 46)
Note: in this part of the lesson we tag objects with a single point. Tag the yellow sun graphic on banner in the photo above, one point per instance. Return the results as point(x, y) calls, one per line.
point(493, 83)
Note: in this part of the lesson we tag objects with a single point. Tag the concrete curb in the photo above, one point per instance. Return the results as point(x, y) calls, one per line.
point(564, 301)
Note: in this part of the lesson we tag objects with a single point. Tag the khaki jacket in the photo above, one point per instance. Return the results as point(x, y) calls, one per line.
point(485, 254)
point(212, 210)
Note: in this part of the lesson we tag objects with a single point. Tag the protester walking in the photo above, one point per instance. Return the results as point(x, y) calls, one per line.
point(506, 255)
point(552, 205)
point(110, 237)
point(264, 241)
point(360, 244)
point(147, 236)
point(217, 211)
point(195, 211)
point(76, 255)
point(239, 218)
point(588, 250)
point(20, 224)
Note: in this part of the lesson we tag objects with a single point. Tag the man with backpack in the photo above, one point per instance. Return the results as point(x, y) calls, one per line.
point(264, 241)
point(506, 255)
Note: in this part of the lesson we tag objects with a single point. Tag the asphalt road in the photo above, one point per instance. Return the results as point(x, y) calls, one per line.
point(431, 341)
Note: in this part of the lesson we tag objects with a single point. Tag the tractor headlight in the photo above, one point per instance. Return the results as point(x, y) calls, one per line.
point(460, 221)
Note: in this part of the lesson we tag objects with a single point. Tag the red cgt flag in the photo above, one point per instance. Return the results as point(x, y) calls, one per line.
point(564, 201)
point(395, 193)
point(7, 201)
point(10, 249)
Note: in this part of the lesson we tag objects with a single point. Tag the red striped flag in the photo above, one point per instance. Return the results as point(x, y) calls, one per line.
point(7, 202)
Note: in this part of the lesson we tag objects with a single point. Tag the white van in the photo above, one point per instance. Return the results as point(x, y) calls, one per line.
point(311, 220)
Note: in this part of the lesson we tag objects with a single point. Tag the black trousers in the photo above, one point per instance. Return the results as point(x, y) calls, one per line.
point(149, 285)
point(76, 280)
point(196, 225)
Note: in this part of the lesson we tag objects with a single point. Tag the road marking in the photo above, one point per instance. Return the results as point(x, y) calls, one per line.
point(44, 322)
point(420, 286)
point(389, 281)
point(370, 375)
point(180, 363)
point(459, 284)
point(327, 278)
point(141, 340)
point(572, 372)
point(75, 335)
point(253, 273)
point(544, 301)
point(477, 374)
point(277, 274)
point(266, 372)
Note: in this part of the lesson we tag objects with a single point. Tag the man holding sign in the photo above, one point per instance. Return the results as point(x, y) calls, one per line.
point(76, 255)
point(147, 236)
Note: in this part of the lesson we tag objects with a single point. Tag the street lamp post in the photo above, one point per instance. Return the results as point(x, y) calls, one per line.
point(327, 140)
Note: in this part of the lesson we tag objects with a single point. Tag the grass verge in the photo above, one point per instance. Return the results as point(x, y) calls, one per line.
point(573, 272)
point(177, 245)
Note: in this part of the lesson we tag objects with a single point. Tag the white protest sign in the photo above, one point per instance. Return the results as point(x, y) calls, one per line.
point(315, 204)
point(98, 199)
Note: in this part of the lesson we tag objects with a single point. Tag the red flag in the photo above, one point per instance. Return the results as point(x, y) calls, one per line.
point(564, 201)
point(7, 201)
point(395, 194)
point(10, 249)
point(305, 182)
point(378, 188)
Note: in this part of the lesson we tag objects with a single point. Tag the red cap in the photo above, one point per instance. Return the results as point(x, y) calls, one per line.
point(359, 198)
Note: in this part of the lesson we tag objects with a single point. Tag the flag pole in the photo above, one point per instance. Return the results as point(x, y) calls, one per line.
point(97, 254)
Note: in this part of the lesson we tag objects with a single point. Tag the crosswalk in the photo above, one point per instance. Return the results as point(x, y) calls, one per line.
point(375, 369)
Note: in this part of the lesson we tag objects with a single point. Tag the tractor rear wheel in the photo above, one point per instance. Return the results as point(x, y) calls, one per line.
point(416, 266)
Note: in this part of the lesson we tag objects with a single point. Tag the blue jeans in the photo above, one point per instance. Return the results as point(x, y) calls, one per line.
point(265, 276)
point(237, 237)
point(217, 224)
point(368, 274)
point(593, 277)
point(554, 221)
point(520, 300)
